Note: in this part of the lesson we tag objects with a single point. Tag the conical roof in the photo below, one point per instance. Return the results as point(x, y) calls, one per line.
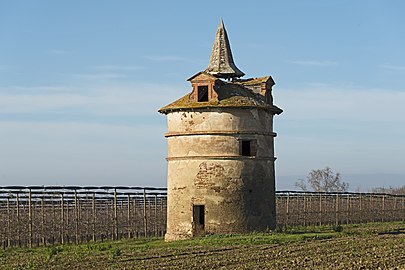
point(221, 62)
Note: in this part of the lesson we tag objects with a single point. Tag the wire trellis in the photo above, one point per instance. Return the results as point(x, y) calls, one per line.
point(47, 215)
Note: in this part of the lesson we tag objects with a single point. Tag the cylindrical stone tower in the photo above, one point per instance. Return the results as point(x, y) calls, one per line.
point(221, 152)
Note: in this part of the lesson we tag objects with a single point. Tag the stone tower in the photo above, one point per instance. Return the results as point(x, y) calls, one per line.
point(221, 151)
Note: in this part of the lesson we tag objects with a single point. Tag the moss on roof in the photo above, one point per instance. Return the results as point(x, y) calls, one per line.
point(253, 81)
point(230, 94)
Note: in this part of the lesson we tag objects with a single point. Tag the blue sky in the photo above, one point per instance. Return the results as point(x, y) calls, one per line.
point(81, 83)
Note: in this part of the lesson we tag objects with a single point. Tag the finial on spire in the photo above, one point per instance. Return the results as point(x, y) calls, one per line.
point(221, 60)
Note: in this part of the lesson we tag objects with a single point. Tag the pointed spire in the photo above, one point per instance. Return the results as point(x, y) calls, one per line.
point(221, 61)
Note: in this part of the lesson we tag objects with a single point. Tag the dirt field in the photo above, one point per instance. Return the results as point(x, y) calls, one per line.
point(345, 253)
point(370, 246)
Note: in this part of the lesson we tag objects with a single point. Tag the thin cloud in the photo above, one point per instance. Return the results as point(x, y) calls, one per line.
point(317, 84)
point(117, 67)
point(333, 123)
point(339, 103)
point(130, 100)
point(313, 63)
point(393, 67)
point(35, 90)
point(5, 68)
point(97, 76)
point(60, 52)
point(69, 152)
point(166, 58)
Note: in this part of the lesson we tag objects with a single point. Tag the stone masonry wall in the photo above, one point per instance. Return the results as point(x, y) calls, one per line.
point(205, 167)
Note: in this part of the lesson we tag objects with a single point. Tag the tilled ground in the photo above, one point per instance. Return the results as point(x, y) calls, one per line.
point(377, 252)
point(374, 250)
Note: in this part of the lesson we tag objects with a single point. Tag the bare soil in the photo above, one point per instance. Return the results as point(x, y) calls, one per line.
point(364, 247)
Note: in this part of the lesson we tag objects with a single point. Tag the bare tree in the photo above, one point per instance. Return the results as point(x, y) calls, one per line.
point(390, 190)
point(324, 180)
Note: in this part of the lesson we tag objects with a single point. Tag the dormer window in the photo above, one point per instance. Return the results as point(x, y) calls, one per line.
point(204, 85)
point(202, 93)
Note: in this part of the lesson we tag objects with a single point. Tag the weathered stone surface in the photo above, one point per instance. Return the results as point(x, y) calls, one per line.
point(234, 120)
point(221, 153)
point(205, 166)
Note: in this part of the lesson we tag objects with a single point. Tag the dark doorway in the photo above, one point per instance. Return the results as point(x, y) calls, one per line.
point(198, 219)
point(203, 93)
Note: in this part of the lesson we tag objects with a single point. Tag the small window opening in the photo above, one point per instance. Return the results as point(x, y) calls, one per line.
point(202, 93)
point(248, 148)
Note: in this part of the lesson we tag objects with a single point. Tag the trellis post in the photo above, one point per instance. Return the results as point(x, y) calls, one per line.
point(62, 219)
point(347, 208)
point(145, 225)
point(135, 219)
point(115, 215)
point(383, 208)
point(93, 206)
point(155, 215)
point(76, 219)
point(17, 200)
point(8, 222)
point(29, 218)
point(320, 209)
point(337, 216)
point(287, 209)
point(361, 208)
point(129, 215)
point(305, 209)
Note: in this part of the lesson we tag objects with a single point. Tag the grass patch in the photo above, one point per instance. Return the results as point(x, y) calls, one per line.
point(112, 252)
